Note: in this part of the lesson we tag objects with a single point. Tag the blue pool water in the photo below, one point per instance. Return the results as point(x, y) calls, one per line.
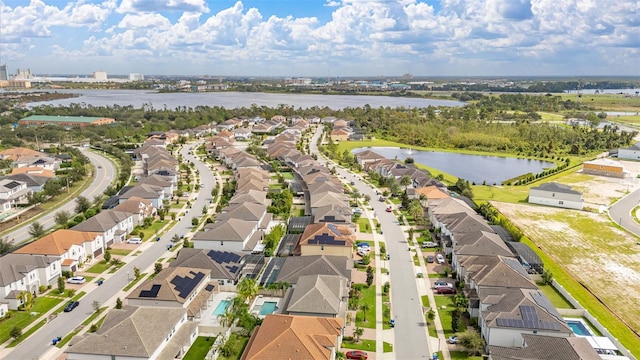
point(221, 308)
point(579, 328)
point(269, 307)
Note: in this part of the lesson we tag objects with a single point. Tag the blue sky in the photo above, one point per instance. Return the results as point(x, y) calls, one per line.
point(322, 37)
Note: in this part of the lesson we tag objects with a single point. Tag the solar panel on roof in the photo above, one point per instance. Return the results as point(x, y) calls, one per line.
point(185, 285)
point(153, 292)
point(12, 184)
point(325, 239)
point(233, 269)
point(209, 287)
point(334, 229)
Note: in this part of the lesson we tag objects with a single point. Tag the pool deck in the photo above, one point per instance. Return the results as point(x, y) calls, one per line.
point(260, 300)
point(210, 320)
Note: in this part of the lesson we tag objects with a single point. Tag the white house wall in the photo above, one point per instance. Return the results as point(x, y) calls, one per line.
point(557, 202)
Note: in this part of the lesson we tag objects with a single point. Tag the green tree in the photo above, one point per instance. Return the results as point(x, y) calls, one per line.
point(157, 267)
point(547, 277)
point(61, 284)
point(82, 204)
point(15, 332)
point(247, 288)
point(62, 218)
point(471, 341)
point(405, 181)
point(136, 272)
point(229, 347)
point(118, 303)
point(6, 246)
point(364, 307)
point(107, 256)
point(96, 305)
point(37, 230)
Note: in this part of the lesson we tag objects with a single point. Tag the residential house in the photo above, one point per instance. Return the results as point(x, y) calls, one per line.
point(233, 235)
point(290, 269)
point(478, 243)
point(295, 337)
point(35, 183)
point(14, 192)
point(506, 314)
point(262, 128)
point(112, 225)
point(164, 182)
point(227, 268)
point(14, 154)
point(334, 213)
point(71, 246)
point(555, 194)
point(367, 156)
point(318, 295)
point(326, 198)
point(227, 125)
point(137, 333)
point(137, 206)
point(326, 239)
point(25, 273)
point(178, 286)
point(151, 193)
point(242, 134)
point(493, 271)
point(251, 197)
point(36, 171)
point(541, 347)
point(630, 153)
point(339, 135)
point(605, 167)
point(248, 212)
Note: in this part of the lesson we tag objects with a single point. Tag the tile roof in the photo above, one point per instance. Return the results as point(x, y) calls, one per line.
point(57, 243)
point(318, 294)
point(33, 170)
point(294, 337)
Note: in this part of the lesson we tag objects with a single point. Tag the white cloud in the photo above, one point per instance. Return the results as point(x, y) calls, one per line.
point(361, 35)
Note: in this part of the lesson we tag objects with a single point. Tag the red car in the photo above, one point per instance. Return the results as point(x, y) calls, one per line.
point(357, 355)
point(446, 290)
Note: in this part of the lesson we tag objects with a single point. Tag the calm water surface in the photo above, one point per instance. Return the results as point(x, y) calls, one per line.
point(474, 168)
point(232, 100)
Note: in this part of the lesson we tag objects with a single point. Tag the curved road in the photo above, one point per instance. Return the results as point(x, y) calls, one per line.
point(40, 342)
point(102, 179)
point(411, 341)
point(620, 212)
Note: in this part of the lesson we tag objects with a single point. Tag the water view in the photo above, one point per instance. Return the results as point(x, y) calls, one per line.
point(232, 100)
point(474, 168)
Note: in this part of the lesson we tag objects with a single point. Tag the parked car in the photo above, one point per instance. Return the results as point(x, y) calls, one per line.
point(357, 355)
point(429, 244)
point(439, 284)
point(430, 258)
point(381, 198)
point(76, 280)
point(134, 240)
point(363, 252)
point(452, 339)
point(446, 290)
point(389, 209)
point(71, 305)
point(440, 259)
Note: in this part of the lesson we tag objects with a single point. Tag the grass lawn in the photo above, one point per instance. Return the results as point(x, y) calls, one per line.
point(23, 318)
point(154, 228)
point(99, 268)
point(135, 281)
point(27, 333)
point(120, 252)
point(445, 314)
point(364, 344)
point(387, 347)
point(287, 175)
point(199, 348)
point(455, 355)
point(369, 298)
point(364, 225)
point(557, 300)
point(241, 342)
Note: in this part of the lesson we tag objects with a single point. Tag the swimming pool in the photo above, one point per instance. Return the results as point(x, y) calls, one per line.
point(221, 308)
point(579, 328)
point(269, 307)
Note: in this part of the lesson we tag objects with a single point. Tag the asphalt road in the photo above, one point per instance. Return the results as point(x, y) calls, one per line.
point(411, 340)
point(104, 174)
point(40, 342)
point(620, 212)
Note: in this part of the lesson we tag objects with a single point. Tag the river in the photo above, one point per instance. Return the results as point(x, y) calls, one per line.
point(474, 168)
point(232, 100)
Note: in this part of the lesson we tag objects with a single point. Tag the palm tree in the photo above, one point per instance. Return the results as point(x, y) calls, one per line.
point(248, 288)
point(227, 319)
point(364, 307)
point(405, 181)
point(357, 332)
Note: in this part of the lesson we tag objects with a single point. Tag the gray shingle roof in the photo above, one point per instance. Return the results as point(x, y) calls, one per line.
point(556, 187)
point(102, 221)
point(318, 294)
point(540, 347)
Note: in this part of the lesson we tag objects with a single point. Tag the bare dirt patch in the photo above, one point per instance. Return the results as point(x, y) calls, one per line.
point(591, 248)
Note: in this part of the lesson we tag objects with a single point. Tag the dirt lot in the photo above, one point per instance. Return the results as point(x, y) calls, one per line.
point(588, 245)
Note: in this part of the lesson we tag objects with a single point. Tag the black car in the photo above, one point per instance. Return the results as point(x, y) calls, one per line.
point(71, 305)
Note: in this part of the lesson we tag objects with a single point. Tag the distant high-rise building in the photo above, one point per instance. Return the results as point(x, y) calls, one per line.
point(4, 74)
point(136, 77)
point(23, 74)
point(100, 75)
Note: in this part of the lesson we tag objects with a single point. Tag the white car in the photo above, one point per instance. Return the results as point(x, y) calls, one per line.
point(363, 252)
point(77, 280)
point(440, 259)
point(134, 240)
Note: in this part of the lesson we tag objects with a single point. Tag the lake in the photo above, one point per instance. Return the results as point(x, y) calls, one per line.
point(474, 168)
point(232, 100)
